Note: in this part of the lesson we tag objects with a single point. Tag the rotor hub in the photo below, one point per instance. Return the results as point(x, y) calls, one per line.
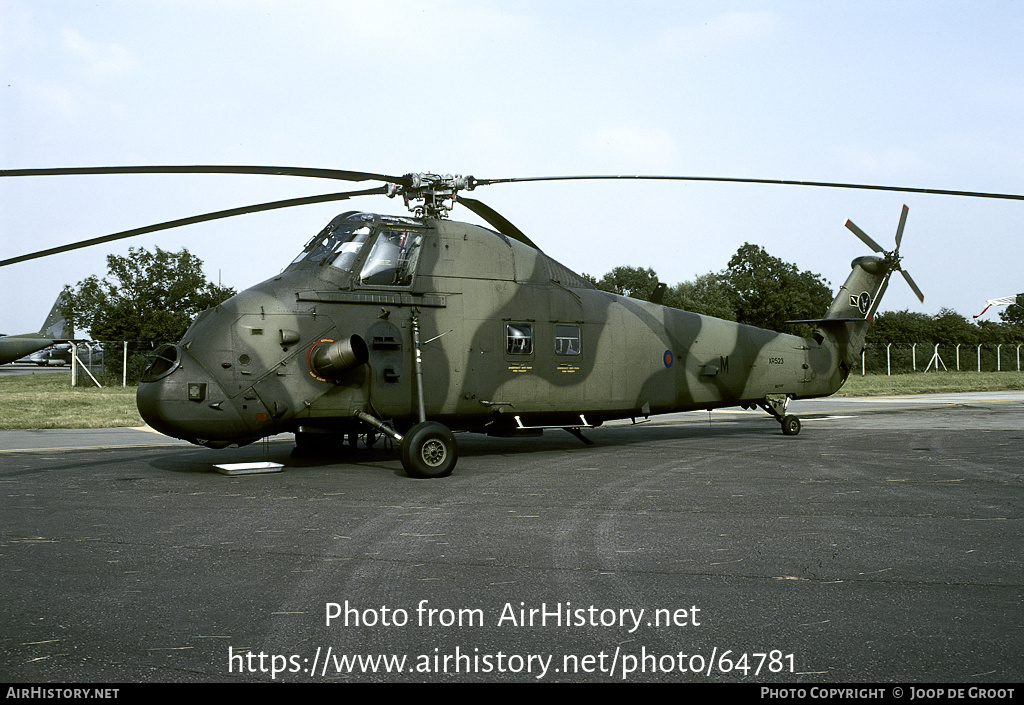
point(431, 195)
point(893, 259)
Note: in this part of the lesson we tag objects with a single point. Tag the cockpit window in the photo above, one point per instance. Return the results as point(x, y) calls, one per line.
point(338, 244)
point(343, 244)
point(392, 260)
point(344, 250)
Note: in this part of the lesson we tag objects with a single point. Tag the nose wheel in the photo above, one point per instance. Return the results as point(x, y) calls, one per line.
point(429, 450)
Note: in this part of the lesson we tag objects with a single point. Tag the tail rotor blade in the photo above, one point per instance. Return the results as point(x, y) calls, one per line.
point(899, 228)
point(913, 286)
point(865, 238)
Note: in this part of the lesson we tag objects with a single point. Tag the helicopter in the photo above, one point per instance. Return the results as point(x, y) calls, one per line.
point(418, 326)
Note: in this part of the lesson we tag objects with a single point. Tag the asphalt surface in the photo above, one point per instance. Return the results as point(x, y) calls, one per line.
point(17, 368)
point(882, 544)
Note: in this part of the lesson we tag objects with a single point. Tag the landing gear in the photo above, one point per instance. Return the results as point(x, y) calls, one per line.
point(369, 438)
point(321, 442)
point(429, 450)
point(314, 443)
point(776, 406)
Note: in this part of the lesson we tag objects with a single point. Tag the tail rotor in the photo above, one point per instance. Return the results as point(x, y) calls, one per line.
point(892, 258)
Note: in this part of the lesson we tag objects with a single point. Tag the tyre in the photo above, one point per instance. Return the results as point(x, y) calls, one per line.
point(790, 425)
point(429, 450)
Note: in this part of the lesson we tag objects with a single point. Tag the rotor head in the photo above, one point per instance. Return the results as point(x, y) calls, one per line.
point(430, 195)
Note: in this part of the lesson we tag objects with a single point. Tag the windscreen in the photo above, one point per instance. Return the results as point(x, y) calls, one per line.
point(385, 255)
point(392, 261)
point(338, 244)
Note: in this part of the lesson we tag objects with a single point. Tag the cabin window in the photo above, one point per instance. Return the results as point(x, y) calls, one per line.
point(392, 261)
point(519, 339)
point(567, 340)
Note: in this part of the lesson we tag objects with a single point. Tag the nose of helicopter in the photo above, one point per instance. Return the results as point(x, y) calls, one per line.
point(178, 397)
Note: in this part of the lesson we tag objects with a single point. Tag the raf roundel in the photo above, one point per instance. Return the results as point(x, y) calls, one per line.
point(864, 302)
point(668, 358)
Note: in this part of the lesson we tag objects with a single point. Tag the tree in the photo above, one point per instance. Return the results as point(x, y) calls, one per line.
point(767, 292)
point(1014, 313)
point(708, 295)
point(948, 326)
point(629, 281)
point(146, 298)
point(901, 327)
point(992, 333)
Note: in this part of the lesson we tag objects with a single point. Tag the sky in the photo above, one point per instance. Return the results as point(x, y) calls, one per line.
point(921, 94)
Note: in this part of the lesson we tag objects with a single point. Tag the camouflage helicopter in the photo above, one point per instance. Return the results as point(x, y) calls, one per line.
point(417, 326)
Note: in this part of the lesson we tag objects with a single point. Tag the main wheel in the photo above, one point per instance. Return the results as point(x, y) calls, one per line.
point(790, 425)
point(429, 450)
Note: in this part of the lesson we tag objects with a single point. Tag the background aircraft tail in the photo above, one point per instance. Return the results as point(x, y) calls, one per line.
point(56, 326)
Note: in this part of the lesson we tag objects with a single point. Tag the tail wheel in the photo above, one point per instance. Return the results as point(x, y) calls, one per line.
point(429, 450)
point(790, 425)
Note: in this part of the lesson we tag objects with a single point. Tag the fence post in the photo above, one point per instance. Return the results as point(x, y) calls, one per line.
point(936, 360)
point(83, 366)
point(124, 366)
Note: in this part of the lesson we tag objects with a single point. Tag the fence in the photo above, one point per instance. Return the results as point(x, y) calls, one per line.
point(107, 363)
point(900, 358)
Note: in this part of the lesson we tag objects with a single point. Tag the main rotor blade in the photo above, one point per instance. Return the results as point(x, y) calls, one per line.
point(899, 228)
point(496, 220)
point(325, 198)
point(780, 182)
point(337, 174)
point(344, 175)
point(913, 286)
point(864, 237)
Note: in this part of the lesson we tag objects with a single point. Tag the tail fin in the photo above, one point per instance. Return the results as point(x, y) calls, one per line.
point(56, 326)
point(859, 296)
point(850, 314)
